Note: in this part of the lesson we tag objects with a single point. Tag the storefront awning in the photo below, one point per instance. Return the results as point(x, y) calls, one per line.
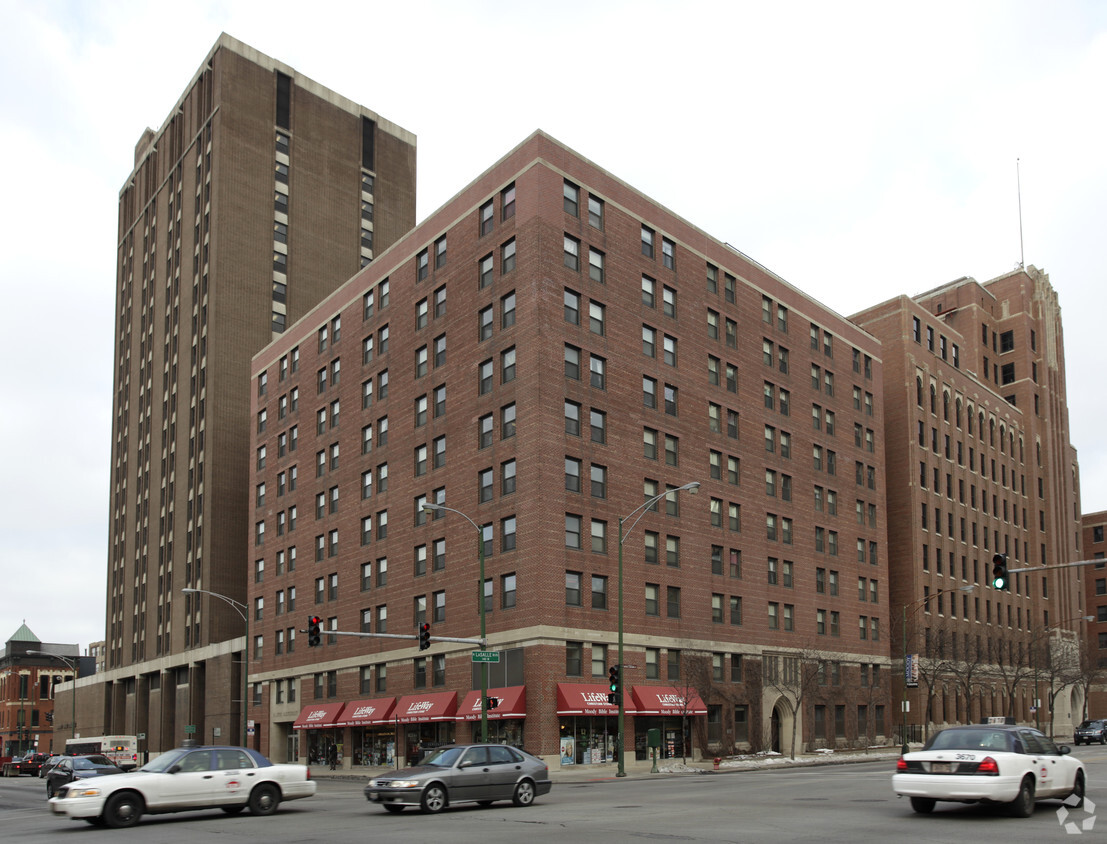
point(513, 704)
point(419, 708)
point(363, 713)
point(318, 715)
point(665, 700)
point(586, 699)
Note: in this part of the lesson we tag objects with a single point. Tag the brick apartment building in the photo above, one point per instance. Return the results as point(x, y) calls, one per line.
point(1094, 547)
point(543, 354)
point(975, 392)
point(30, 673)
point(259, 194)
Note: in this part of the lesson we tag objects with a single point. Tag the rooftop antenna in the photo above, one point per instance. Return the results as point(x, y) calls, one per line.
point(1018, 185)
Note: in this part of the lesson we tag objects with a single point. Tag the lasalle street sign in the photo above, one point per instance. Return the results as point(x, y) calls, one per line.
point(486, 656)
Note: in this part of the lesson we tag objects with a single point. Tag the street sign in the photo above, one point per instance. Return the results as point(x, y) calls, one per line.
point(141, 736)
point(190, 728)
point(486, 656)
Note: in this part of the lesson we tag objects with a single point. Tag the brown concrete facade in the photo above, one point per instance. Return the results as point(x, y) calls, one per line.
point(259, 193)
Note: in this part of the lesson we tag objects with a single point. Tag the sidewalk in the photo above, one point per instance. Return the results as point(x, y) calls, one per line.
point(665, 768)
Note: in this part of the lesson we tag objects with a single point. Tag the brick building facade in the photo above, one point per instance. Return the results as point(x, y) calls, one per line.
point(543, 354)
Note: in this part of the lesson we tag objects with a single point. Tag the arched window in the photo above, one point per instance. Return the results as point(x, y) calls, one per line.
point(919, 390)
point(957, 410)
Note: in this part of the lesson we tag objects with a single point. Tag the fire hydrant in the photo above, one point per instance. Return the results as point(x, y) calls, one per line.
point(717, 761)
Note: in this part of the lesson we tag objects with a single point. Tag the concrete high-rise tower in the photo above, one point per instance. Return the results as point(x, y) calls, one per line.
point(261, 192)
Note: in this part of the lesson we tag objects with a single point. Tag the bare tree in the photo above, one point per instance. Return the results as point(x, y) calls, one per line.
point(934, 665)
point(795, 677)
point(1012, 668)
point(968, 668)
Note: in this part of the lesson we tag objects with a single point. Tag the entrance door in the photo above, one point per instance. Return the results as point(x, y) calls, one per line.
point(292, 746)
point(774, 731)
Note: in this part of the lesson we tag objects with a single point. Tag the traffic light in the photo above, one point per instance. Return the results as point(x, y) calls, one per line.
point(493, 702)
point(424, 636)
point(613, 684)
point(315, 636)
point(1000, 578)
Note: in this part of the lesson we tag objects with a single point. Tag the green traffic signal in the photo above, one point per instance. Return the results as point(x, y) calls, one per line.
point(1001, 578)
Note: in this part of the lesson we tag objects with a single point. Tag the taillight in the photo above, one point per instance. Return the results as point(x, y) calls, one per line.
point(988, 766)
point(901, 765)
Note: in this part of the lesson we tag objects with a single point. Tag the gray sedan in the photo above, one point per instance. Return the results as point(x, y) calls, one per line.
point(463, 773)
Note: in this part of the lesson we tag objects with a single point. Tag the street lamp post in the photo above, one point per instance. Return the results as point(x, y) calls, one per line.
point(635, 514)
point(73, 667)
point(243, 612)
point(915, 606)
point(433, 508)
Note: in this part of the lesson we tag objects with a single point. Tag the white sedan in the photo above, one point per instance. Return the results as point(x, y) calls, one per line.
point(989, 763)
point(228, 778)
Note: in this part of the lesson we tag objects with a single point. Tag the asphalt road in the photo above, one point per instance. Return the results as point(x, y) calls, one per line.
point(851, 802)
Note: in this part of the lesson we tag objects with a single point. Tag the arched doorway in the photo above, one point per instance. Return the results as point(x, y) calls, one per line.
point(774, 730)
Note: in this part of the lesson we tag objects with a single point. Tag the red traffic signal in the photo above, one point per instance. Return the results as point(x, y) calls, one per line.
point(315, 636)
point(424, 636)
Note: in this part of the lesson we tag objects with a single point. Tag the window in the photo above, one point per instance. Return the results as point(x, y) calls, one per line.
point(573, 529)
point(484, 272)
point(652, 590)
point(596, 265)
point(649, 291)
point(484, 377)
point(597, 368)
point(507, 365)
point(486, 218)
point(507, 591)
point(670, 347)
point(572, 474)
point(595, 212)
point(572, 362)
point(507, 202)
point(668, 253)
point(599, 592)
point(572, 588)
point(598, 425)
point(672, 602)
point(649, 341)
point(507, 255)
point(571, 201)
point(647, 241)
point(649, 398)
point(596, 318)
point(572, 253)
point(422, 265)
point(572, 418)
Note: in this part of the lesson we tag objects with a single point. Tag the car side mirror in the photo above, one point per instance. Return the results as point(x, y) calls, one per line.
point(175, 769)
point(1063, 749)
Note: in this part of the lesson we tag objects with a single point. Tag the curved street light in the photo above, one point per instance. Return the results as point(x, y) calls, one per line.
point(915, 606)
point(243, 612)
point(636, 514)
point(434, 508)
point(72, 663)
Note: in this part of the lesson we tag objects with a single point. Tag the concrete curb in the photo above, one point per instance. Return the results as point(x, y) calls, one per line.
point(639, 770)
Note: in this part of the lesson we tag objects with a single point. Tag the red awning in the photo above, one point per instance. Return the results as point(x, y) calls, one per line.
point(417, 708)
point(585, 699)
point(513, 704)
point(318, 715)
point(362, 713)
point(665, 700)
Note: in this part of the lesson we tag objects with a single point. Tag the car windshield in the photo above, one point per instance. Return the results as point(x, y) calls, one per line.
point(1090, 725)
point(164, 762)
point(87, 763)
point(444, 758)
point(982, 739)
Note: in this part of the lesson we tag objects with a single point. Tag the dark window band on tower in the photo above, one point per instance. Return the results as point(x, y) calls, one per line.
point(368, 143)
point(284, 100)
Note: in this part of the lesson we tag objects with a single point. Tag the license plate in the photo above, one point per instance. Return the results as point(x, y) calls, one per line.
point(939, 767)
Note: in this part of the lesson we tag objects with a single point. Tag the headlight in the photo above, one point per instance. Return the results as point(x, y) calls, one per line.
point(83, 791)
point(372, 783)
point(404, 783)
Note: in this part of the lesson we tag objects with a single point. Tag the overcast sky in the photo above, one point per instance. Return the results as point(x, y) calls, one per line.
point(858, 150)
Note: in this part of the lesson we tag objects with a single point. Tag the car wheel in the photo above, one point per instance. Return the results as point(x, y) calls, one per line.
point(1023, 804)
point(1103, 739)
point(123, 810)
point(1077, 792)
point(923, 805)
point(434, 798)
point(264, 799)
point(232, 810)
point(50, 790)
point(524, 793)
point(393, 808)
